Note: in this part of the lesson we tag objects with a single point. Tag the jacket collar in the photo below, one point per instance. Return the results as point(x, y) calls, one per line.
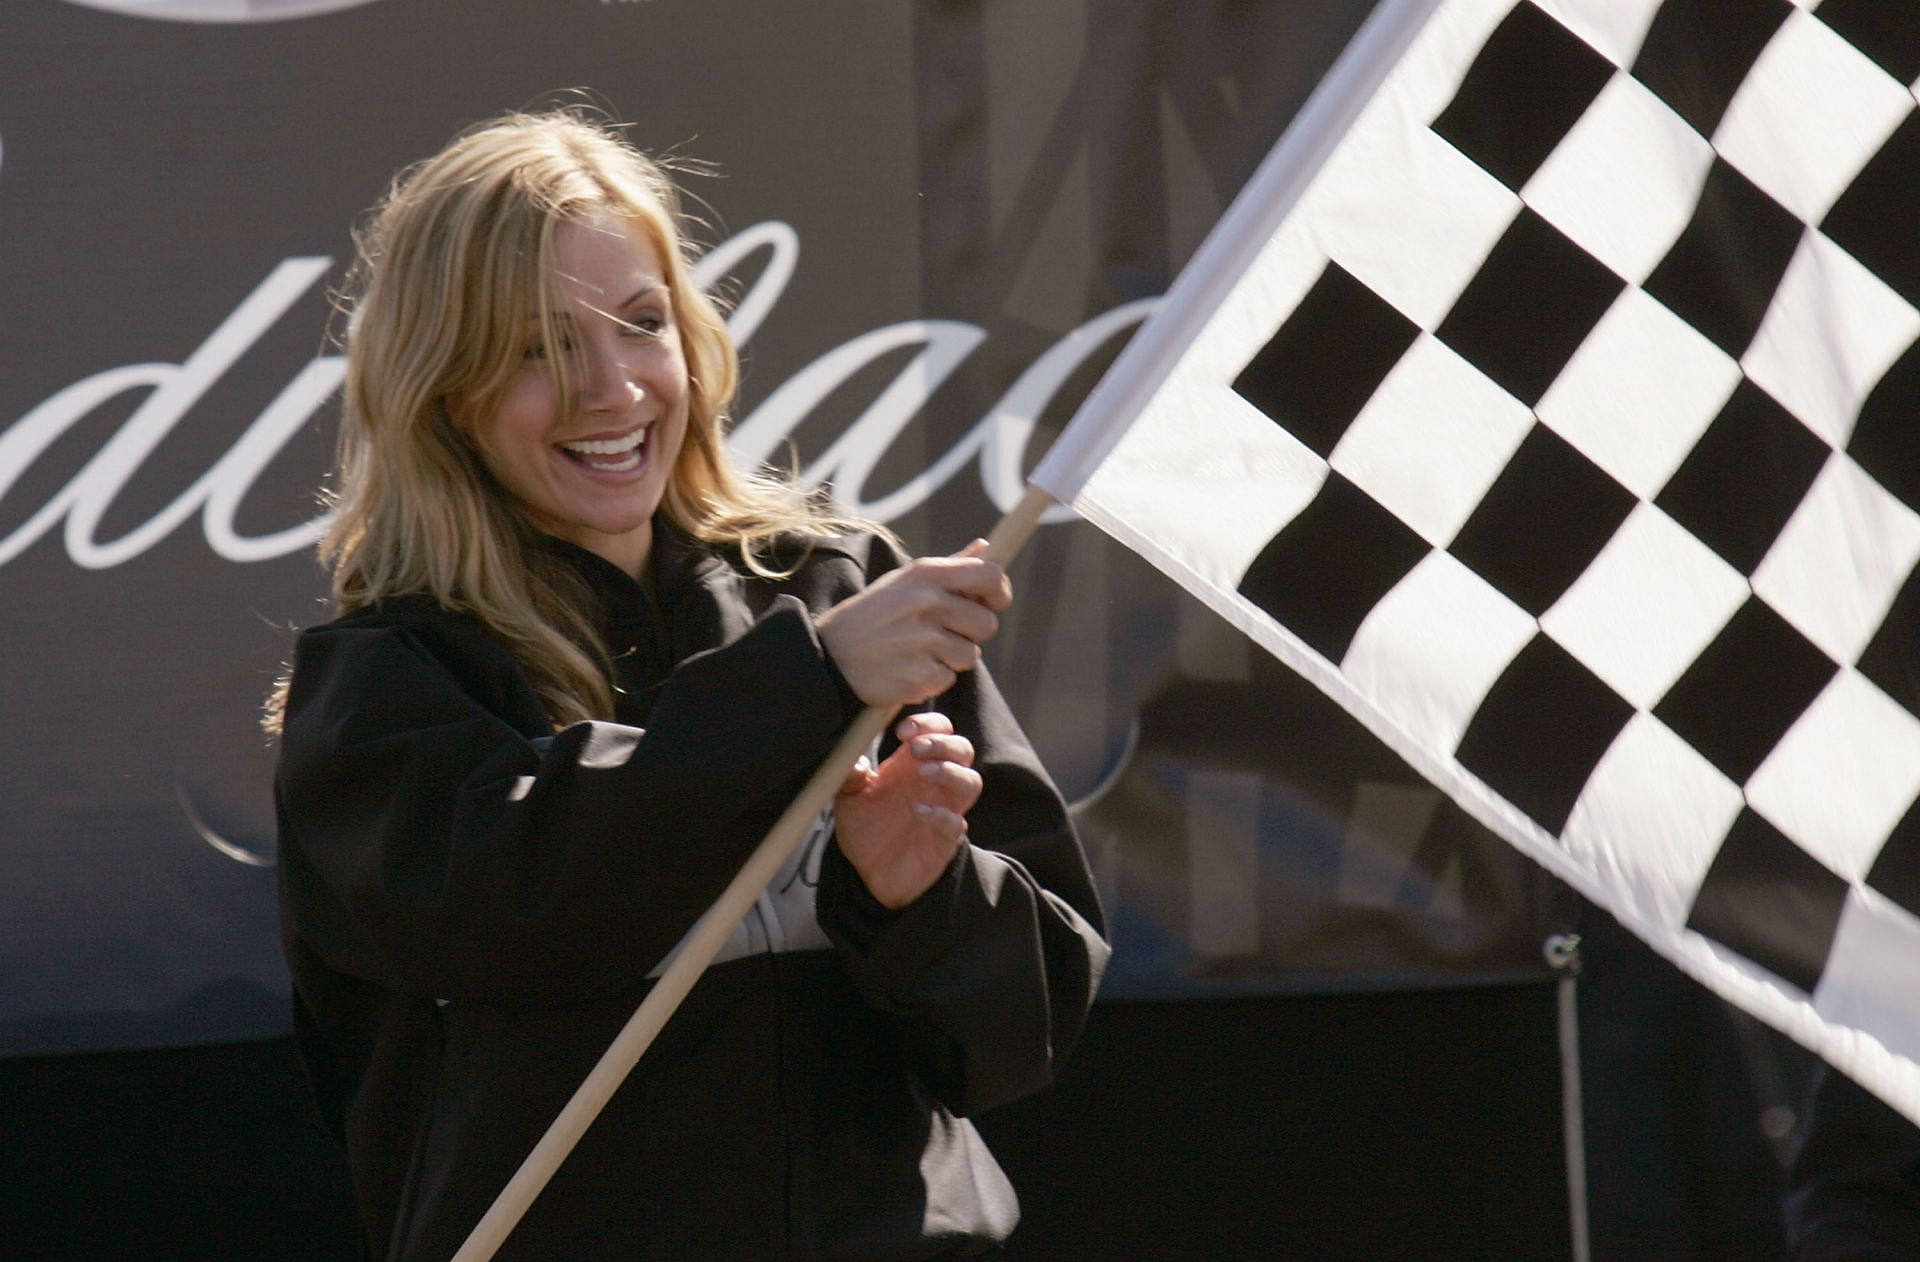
point(689, 591)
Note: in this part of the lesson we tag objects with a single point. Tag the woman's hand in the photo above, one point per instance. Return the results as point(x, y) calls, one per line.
point(909, 635)
point(900, 825)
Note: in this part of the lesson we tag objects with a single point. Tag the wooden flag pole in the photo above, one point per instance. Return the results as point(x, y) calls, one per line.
point(706, 939)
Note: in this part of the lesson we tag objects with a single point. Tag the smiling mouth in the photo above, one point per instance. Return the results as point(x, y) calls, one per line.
point(609, 455)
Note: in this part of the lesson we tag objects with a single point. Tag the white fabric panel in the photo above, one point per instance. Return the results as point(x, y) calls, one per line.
point(1809, 115)
point(1873, 956)
point(1615, 27)
point(1842, 776)
point(1832, 332)
point(1647, 606)
point(1432, 440)
point(1409, 215)
point(1624, 182)
point(1639, 392)
point(1238, 483)
point(1440, 612)
point(1654, 788)
point(1841, 559)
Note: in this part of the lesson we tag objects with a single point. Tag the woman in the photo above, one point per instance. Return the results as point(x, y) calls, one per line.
point(579, 665)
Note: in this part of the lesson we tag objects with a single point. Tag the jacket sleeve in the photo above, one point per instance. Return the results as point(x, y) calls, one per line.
point(435, 846)
point(990, 973)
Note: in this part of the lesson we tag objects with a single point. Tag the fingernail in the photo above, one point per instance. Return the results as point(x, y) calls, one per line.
point(922, 810)
point(923, 746)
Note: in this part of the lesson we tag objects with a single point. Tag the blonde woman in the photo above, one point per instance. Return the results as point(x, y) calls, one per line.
point(578, 665)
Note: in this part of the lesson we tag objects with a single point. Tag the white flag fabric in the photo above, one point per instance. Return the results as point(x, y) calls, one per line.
point(1551, 399)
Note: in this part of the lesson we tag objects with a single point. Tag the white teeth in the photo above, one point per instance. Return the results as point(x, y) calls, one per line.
point(609, 446)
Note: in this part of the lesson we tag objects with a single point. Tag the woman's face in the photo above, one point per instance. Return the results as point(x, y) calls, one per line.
point(595, 476)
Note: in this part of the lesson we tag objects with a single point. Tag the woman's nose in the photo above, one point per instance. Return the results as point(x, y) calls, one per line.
point(607, 382)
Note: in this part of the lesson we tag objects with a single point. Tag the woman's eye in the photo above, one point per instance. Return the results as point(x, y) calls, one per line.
point(538, 350)
point(648, 325)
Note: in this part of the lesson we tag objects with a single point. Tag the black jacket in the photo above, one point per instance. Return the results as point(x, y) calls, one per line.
point(472, 904)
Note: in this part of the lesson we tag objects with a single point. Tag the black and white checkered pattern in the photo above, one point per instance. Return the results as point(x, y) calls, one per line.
point(1589, 372)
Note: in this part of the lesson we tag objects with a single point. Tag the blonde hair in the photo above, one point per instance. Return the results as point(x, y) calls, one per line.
point(454, 266)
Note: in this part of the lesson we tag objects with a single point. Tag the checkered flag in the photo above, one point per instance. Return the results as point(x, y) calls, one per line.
point(1552, 400)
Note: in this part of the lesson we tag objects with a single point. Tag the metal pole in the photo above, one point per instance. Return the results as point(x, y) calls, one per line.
point(1563, 954)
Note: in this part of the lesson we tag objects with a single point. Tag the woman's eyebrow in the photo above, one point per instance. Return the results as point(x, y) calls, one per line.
point(645, 291)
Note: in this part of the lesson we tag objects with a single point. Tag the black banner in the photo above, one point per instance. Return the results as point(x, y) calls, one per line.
point(937, 222)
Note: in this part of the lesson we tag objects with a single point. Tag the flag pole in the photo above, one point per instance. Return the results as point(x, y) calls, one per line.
point(706, 939)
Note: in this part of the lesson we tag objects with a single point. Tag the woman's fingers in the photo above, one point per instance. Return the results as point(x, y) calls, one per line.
point(955, 652)
point(944, 758)
point(953, 749)
point(974, 577)
point(966, 617)
point(931, 679)
point(960, 785)
point(922, 723)
point(949, 824)
point(916, 629)
point(859, 777)
point(901, 828)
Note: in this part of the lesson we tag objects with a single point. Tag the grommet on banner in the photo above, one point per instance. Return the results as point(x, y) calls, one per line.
point(1562, 952)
